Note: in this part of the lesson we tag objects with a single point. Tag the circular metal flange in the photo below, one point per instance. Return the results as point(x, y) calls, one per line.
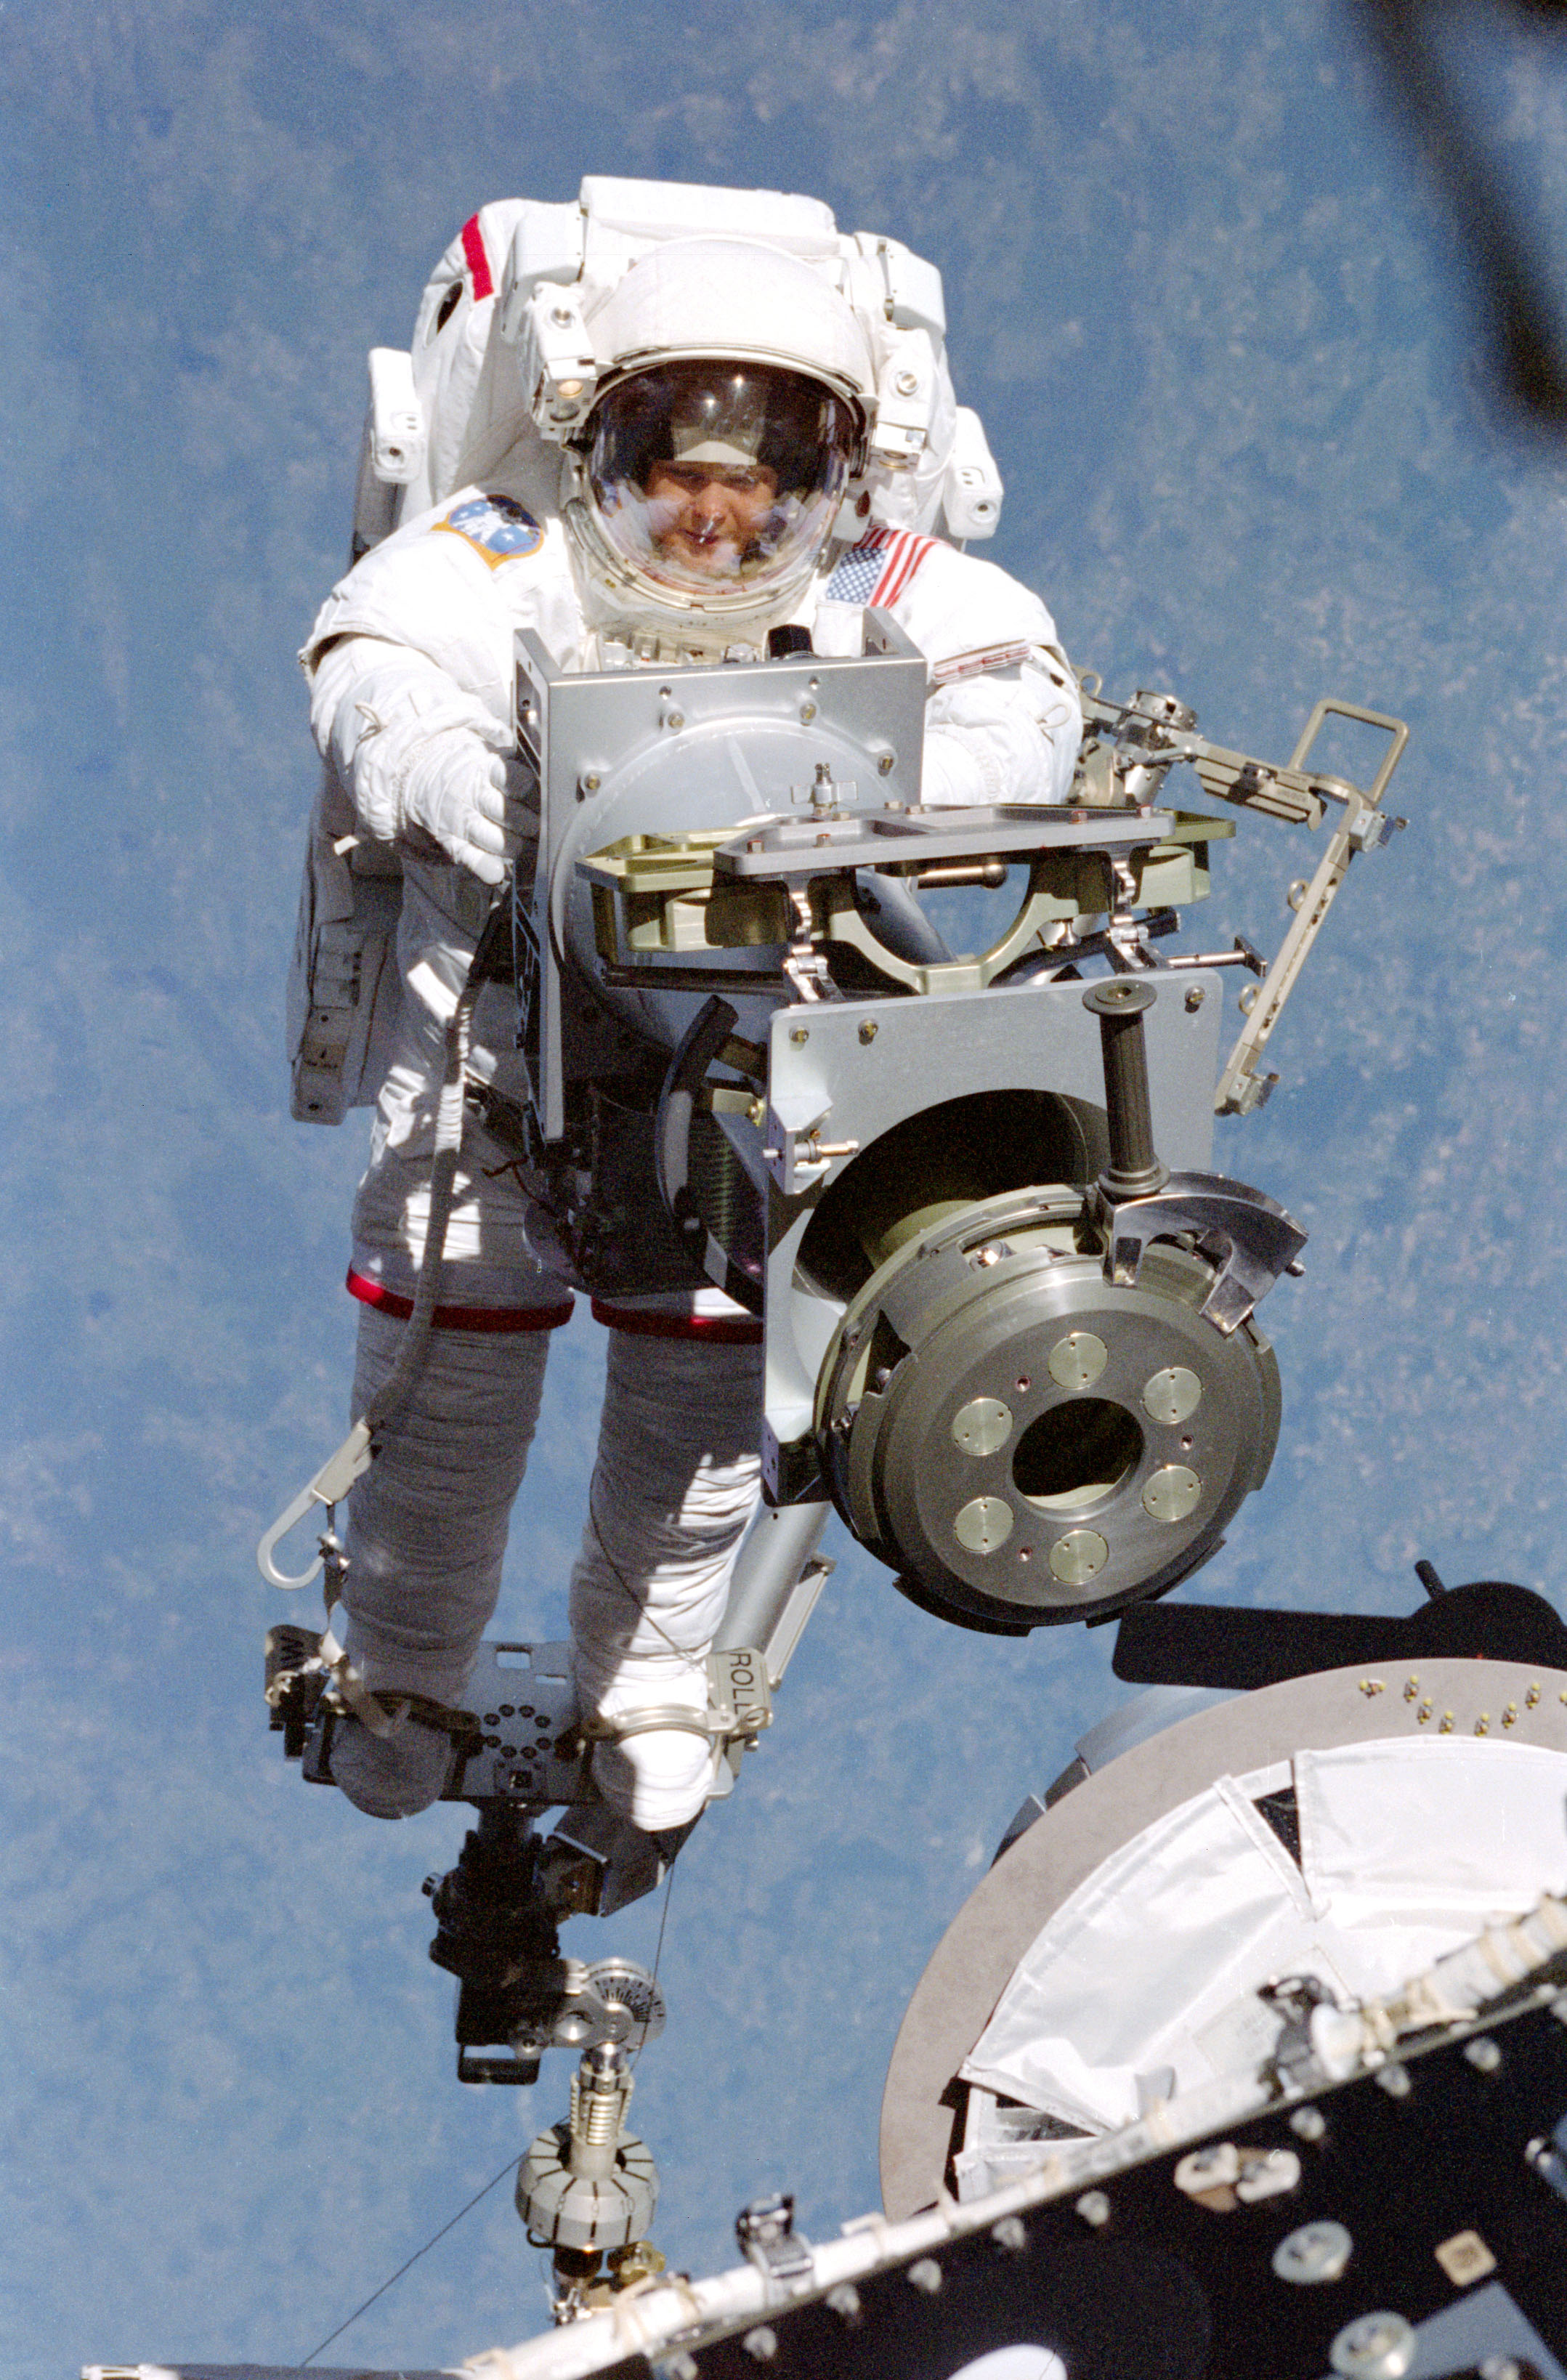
point(634, 1999)
point(1028, 1441)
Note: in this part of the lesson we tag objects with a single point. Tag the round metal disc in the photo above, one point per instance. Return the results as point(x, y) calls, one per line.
point(1172, 1491)
point(1013, 1457)
point(983, 1525)
point(1173, 1395)
point(625, 1984)
point(1078, 1557)
point(1076, 1361)
point(983, 1425)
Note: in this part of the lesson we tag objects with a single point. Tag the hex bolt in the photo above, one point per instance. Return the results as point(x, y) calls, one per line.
point(1134, 1171)
point(761, 2343)
point(1094, 2208)
point(1375, 2347)
point(1308, 2124)
point(925, 2276)
point(1483, 2053)
point(1011, 2234)
point(1317, 2252)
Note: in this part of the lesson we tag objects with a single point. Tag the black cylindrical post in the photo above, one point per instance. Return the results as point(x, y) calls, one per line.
point(1134, 1171)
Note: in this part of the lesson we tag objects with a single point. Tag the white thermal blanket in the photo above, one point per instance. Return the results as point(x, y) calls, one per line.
point(1142, 1984)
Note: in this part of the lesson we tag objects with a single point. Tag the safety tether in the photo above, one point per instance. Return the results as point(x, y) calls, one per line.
point(354, 1457)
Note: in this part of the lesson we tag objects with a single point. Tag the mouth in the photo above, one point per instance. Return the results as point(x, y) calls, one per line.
point(703, 546)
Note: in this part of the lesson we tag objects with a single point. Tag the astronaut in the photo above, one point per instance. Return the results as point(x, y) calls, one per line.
point(718, 488)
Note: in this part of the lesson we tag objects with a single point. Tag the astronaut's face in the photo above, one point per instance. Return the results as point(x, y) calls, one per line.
point(717, 480)
point(709, 516)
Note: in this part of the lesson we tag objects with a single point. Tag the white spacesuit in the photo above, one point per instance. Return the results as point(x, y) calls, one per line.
point(700, 470)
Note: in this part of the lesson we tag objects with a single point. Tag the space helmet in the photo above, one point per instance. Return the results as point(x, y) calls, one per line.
point(736, 388)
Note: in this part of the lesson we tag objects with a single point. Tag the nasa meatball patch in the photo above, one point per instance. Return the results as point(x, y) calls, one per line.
point(498, 529)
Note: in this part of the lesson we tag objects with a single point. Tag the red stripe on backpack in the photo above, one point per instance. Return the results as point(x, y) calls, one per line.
point(478, 262)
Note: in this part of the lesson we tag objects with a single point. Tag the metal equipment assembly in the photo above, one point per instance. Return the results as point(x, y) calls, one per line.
point(1009, 1310)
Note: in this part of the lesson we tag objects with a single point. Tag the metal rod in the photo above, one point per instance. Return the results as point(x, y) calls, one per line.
point(769, 1570)
point(1134, 1171)
point(975, 872)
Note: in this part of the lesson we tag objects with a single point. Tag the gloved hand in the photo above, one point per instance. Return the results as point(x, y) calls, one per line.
point(1008, 736)
point(453, 791)
point(419, 757)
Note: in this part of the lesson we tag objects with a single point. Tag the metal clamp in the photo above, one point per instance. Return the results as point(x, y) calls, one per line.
point(739, 1705)
point(765, 2231)
point(1131, 746)
point(1362, 827)
point(1247, 1234)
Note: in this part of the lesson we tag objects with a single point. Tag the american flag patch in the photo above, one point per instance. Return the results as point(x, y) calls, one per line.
point(879, 568)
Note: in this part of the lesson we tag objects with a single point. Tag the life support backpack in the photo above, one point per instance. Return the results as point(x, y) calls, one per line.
point(448, 410)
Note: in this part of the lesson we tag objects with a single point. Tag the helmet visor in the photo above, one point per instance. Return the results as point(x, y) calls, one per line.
point(719, 478)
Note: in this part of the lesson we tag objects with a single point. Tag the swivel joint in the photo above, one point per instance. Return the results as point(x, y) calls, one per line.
point(589, 2183)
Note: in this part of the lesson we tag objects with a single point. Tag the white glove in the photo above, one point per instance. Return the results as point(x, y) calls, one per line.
point(419, 757)
point(453, 791)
